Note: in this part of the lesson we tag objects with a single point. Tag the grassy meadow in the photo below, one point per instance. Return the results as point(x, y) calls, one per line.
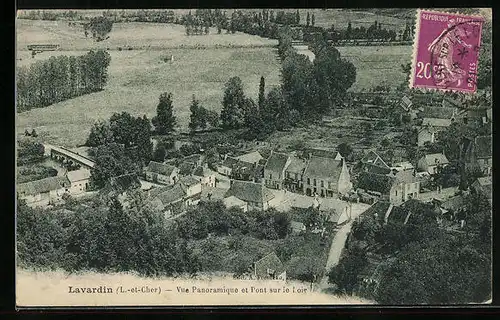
point(138, 77)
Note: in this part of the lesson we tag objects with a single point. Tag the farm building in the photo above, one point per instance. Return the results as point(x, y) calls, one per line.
point(79, 180)
point(432, 163)
point(254, 194)
point(397, 188)
point(161, 173)
point(43, 192)
point(269, 267)
point(232, 201)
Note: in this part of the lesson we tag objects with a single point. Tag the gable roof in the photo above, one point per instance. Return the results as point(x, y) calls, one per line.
point(230, 162)
point(202, 172)
point(435, 158)
point(232, 201)
point(405, 176)
point(249, 191)
point(194, 158)
point(78, 175)
point(374, 158)
point(42, 185)
point(189, 180)
point(405, 165)
point(436, 122)
point(376, 182)
point(157, 190)
point(326, 168)
point(160, 168)
point(296, 165)
point(326, 153)
point(438, 112)
point(252, 157)
point(276, 162)
point(483, 146)
point(174, 194)
point(453, 203)
point(268, 262)
point(187, 168)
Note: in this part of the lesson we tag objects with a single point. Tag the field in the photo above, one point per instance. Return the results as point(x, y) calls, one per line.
point(138, 77)
point(377, 65)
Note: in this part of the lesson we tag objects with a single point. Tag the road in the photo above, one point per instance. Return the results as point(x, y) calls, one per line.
point(338, 242)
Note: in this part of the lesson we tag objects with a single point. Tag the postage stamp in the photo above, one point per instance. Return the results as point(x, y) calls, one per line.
point(446, 51)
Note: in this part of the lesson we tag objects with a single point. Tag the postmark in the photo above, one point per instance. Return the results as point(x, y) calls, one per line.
point(446, 51)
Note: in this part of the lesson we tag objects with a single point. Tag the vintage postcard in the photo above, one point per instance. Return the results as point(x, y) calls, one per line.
point(222, 157)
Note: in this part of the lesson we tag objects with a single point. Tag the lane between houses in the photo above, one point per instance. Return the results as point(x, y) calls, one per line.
point(339, 240)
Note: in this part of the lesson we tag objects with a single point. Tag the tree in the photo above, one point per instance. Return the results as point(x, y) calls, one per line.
point(232, 114)
point(164, 121)
point(333, 76)
point(297, 17)
point(308, 19)
point(262, 94)
point(123, 128)
point(29, 151)
point(100, 134)
point(100, 27)
point(344, 149)
point(312, 20)
point(305, 268)
point(348, 33)
point(195, 118)
point(345, 274)
point(110, 161)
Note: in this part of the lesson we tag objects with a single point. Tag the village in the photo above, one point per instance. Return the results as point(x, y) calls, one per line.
point(296, 202)
point(260, 178)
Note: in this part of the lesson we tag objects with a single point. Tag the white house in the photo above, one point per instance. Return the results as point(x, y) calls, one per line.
point(79, 180)
point(432, 162)
point(43, 192)
point(161, 173)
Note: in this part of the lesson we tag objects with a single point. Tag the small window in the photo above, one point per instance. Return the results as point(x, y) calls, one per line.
point(396, 193)
point(308, 181)
point(271, 176)
point(315, 182)
point(322, 184)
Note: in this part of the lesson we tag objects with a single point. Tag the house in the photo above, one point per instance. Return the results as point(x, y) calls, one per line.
point(438, 123)
point(206, 177)
point(192, 189)
point(386, 212)
point(43, 192)
point(269, 267)
point(432, 163)
point(161, 173)
point(232, 201)
point(121, 186)
point(297, 227)
point(373, 162)
point(79, 180)
point(254, 194)
point(483, 185)
point(397, 188)
point(294, 173)
point(171, 201)
point(403, 166)
point(479, 154)
point(274, 170)
point(252, 157)
point(326, 177)
point(439, 112)
point(427, 134)
point(226, 167)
